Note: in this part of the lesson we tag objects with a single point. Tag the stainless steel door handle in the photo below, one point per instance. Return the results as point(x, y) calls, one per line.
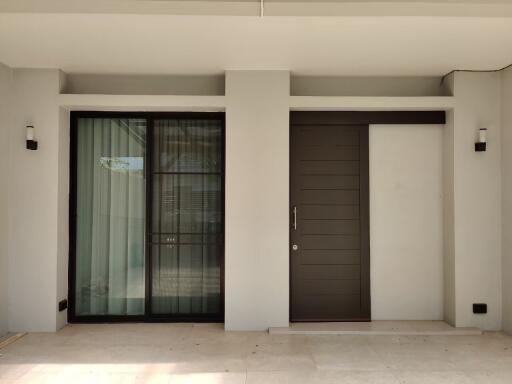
point(294, 218)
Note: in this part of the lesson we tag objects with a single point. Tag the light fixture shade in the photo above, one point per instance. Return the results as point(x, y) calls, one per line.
point(30, 132)
point(30, 138)
point(482, 135)
point(481, 144)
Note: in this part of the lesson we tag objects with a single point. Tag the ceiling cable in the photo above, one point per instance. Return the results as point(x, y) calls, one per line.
point(475, 70)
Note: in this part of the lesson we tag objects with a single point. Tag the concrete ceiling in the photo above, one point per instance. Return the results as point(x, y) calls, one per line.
point(147, 43)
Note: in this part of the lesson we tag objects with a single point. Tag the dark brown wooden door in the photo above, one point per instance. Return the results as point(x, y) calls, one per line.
point(329, 231)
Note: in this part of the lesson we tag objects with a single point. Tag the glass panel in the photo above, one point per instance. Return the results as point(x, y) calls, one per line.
point(110, 216)
point(165, 203)
point(187, 217)
point(212, 200)
point(165, 278)
point(188, 146)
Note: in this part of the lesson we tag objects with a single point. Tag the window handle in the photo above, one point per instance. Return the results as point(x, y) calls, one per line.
point(294, 218)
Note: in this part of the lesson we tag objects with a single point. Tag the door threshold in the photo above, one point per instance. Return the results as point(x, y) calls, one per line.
point(401, 328)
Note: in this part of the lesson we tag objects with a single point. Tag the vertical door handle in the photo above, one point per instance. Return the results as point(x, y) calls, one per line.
point(294, 218)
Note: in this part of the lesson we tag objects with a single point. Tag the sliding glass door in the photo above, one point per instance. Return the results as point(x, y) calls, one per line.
point(146, 216)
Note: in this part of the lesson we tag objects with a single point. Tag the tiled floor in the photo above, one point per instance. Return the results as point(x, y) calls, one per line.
point(404, 328)
point(165, 353)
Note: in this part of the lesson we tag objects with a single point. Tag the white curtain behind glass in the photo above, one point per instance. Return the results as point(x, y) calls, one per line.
point(110, 216)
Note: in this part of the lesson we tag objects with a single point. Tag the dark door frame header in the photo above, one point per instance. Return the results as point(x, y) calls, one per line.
point(366, 117)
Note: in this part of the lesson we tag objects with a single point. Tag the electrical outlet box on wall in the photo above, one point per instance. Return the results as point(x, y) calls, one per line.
point(479, 308)
point(63, 305)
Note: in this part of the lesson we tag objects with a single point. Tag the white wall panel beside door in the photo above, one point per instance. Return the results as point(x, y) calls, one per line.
point(406, 222)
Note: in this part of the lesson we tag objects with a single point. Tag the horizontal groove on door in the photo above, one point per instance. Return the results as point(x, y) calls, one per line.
point(323, 182)
point(329, 272)
point(329, 211)
point(337, 153)
point(334, 306)
point(329, 167)
point(329, 287)
point(330, 136)
point(330, 242)
point(329, 197)
point(330, 227)
point(330, 257)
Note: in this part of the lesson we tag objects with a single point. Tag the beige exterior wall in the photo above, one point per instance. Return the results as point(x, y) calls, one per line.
point(406, 222)
point(506, 108)
point(257, 176)
point(257, 199)
point(5, 126)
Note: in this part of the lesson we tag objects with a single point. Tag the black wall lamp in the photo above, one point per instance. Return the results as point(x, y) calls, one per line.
point(481, 144)
point(31, 143)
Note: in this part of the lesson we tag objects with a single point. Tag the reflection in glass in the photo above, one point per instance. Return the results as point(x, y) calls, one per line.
point(110, 216)
point(187, 217)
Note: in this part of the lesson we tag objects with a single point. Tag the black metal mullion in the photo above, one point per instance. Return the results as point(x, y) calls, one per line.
point(188, 243)
point(188, 233)
point(187, 173)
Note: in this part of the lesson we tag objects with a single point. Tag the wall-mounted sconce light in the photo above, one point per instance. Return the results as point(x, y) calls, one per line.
point(481, 144)
point(31, 143)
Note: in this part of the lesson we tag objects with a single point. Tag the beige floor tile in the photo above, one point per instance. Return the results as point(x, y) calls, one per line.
point(184, 353)
point(160, 378)
point(491, 377)
point(209, 378)
point(347, 353)
point(375, 328)
point(279, 353)
point(14, 370)
point(321, 377)
point(432, 377)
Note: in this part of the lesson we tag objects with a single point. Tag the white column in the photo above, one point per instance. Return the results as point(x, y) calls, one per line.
point(506, 105)
point(257, 199)
point(477, 200)
point(6, 74)
point(34, 203)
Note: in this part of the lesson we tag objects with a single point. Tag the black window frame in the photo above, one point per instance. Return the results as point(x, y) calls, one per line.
point(150, 117)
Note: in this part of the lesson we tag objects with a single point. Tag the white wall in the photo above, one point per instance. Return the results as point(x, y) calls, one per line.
point(144, 84)
point(5, 125)
point(450, 314)
point(506, 103)
point(63, 213)
point(34, 207)
point(257, 180)
point(406, 222)
point(257, 199)
point(477, 199)
point(367, 86)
